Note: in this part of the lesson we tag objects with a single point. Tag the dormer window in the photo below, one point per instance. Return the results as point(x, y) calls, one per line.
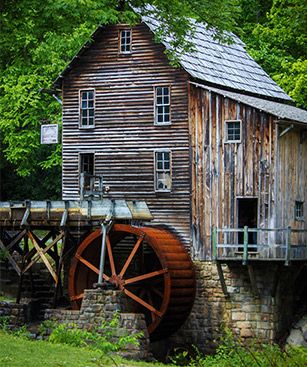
point(125, 41)
point(87, 108)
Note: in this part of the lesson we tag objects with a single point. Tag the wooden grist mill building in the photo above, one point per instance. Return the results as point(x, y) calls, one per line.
point(196, 174)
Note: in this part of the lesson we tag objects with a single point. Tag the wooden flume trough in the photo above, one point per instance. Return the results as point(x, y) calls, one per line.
point(148, 264)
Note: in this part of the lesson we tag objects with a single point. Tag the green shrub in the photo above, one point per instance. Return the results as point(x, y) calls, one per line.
point(108, 338)
point(232, 353)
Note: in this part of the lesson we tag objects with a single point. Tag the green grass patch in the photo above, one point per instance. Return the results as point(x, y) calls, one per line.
point(18, 351)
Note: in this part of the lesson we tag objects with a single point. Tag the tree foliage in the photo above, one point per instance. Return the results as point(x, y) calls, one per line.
point(38, 39)
point(275, 34)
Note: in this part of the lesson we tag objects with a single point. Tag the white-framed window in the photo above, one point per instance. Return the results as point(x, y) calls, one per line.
point(233, 131)
point(162, 105)
point(125, 41)
point(87, 108)
point(299, 210)
point(163, 177)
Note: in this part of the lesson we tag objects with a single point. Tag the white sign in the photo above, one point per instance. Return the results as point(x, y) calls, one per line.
point(49, 134)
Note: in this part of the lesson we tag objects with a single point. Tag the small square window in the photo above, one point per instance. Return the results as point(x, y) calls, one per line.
point(125, 41)
point(87, 108)
point(162, 106)
point(233, 131)
point(299, 210)
point(163, 180)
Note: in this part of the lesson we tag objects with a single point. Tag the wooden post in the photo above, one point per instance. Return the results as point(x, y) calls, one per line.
point(214, 243)
point(245, 244)
point(288, 246)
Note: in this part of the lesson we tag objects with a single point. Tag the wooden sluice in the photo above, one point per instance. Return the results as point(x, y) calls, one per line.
point(50, 231)
point(149, 265)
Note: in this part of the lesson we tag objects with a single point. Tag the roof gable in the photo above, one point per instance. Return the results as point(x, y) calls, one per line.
point(221, 65)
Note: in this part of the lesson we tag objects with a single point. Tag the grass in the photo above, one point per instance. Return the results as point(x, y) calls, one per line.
point(17, 352)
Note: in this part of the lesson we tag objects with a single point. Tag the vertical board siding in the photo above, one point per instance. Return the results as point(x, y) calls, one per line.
point(124, 137)
point(291, 179)
point(261, 166)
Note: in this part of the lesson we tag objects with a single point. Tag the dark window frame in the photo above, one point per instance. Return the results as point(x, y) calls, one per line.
point(234, 137)
point(164, 106)
point(299, 210)
point(87, 105)
point(166, 168)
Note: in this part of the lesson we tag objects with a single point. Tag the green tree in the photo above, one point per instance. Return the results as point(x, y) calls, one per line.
point(275, 34)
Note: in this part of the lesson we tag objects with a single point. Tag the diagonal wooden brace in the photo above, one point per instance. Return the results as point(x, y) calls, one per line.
point(10, 258)
point(46, 249)
point(43, 257)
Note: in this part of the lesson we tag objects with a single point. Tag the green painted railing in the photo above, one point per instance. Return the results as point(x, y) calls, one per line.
point(284, 244)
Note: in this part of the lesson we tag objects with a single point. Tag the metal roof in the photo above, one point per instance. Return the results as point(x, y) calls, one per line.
point(226, 65)
point(280, 110)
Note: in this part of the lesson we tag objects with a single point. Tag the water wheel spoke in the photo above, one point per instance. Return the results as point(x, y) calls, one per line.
point(153, 316)
point(77, 297)
point(110, 253)
point(146, 276)
point(90, 266)
point(133, 252)
point(142, 302)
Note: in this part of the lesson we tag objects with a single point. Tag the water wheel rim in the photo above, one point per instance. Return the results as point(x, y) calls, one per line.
point(156, 316)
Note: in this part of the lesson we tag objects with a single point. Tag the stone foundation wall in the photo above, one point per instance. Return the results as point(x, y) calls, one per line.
point(265, 317)
point(100, 306)
point(13, 315)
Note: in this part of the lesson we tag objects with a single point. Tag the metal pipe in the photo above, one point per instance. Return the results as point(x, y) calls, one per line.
point(104, 226)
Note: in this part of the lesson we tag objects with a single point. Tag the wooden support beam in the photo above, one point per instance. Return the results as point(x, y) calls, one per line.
point(245, 244)
point(276, 277)
point(222, 279)
point(253, 281)
point(16, 239)
point(43, 256)
point(44, 251)
point(10, 258)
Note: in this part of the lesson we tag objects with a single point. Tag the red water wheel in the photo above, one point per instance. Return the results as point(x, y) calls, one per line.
point(149, 265)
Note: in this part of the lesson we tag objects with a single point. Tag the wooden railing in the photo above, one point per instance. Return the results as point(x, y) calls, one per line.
point(283, 244)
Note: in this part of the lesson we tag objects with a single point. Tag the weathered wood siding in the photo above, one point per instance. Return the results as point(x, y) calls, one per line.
point(291, 179)
point(125, 137)
point(262, 166)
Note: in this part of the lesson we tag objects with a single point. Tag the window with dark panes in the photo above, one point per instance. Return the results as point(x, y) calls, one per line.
point(125, 40)
point(87, 108)
point(163, 180)
point(87, 163)
point(162, 105)
point(299, 210)
point(233, 131)
point(87, 168)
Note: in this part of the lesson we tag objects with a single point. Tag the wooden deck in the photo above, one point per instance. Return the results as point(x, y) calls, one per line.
point(259, 244)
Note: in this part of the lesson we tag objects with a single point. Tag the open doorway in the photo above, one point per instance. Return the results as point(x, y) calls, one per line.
point(247, 216)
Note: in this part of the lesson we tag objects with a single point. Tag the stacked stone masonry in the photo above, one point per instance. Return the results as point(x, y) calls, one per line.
point(13, 315)
point(100, 306)
point(265, 317)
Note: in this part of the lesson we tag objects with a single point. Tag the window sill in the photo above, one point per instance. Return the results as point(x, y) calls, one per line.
point(161, 125)
point(87, 127)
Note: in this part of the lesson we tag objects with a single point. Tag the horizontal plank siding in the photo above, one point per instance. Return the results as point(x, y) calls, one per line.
point(124, 137)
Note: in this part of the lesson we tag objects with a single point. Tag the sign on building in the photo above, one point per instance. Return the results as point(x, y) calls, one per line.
point(49, 134)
